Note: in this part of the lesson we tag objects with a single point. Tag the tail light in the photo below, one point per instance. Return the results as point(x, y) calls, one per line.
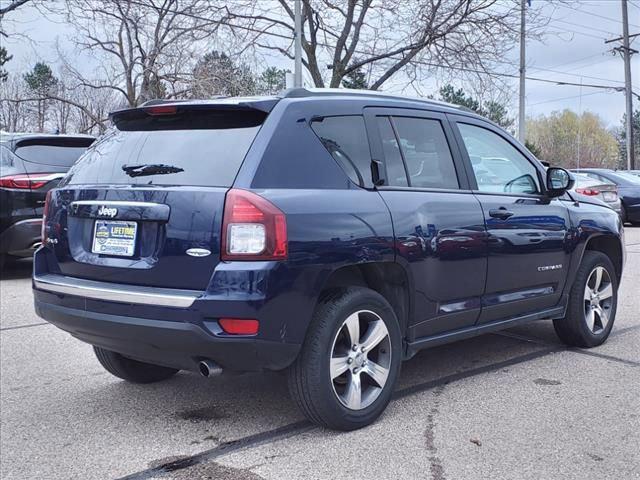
point(239, 326)
point(252, 228)
point(45, 212)
point(158, 110)
point(588, 191)
point(28, 182)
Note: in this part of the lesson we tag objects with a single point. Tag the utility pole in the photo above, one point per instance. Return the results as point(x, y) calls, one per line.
point(521, 116)
point(297, 71)
point(626, 51)
point(627, 83)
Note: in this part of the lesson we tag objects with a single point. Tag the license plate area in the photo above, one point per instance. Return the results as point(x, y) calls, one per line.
point(114, 237)
point(609, 196)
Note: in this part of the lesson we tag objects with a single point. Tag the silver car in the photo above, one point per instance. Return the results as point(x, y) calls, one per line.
point(605, 191)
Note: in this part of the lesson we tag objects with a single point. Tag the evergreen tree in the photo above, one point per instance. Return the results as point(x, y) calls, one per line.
point(41, 83)
point(494, 111)
point(218, 74)
point(272, 80)
point(355, 79)
point(621, 137)
point(4, 58)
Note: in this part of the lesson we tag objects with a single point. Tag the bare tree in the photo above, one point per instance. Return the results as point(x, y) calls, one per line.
point(61, 111)
point(384, 37)
point(91, 114)
point(145, 47)
point(9, 7)
point(13, 114)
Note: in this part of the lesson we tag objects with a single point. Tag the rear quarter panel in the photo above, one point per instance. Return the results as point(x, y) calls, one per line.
point(331, 222)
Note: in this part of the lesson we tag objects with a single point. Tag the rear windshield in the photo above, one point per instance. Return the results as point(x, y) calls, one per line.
point(162, 151)
point(7, 159)
point(63, 155)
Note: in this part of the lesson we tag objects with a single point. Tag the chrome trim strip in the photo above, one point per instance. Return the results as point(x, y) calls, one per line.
point(27, 221)
point(117, 203)
point(115, 292)
point(47, 177)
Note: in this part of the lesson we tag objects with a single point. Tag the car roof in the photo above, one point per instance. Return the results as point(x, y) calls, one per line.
point(266, 103)
point(589, 169)
point(348, 93)
point(12, 140)
point(7, 136)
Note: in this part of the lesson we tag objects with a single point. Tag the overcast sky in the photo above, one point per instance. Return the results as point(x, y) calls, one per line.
point(572, 50)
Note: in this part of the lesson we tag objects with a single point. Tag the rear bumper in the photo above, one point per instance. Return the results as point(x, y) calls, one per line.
point(173, 344)
point(22, 238)
point(179, 328)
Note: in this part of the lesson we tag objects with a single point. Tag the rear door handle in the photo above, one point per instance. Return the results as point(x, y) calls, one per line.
point(501, 213)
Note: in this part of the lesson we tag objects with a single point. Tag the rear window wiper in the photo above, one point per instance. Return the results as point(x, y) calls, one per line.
point(150, 169)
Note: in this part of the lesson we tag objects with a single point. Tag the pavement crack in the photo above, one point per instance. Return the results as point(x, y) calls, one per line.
point(435, 463)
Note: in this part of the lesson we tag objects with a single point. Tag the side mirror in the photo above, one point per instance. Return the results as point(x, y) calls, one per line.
point(558, 181)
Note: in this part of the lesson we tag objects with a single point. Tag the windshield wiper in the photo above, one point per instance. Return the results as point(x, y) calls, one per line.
point(150, 169)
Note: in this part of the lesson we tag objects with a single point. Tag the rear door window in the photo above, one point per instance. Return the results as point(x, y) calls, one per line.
point(200, 149)
point(396, 173)
point(345, 137)
point(426, 153)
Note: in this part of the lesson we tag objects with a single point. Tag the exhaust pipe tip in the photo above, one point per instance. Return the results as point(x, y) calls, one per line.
point(209, 369)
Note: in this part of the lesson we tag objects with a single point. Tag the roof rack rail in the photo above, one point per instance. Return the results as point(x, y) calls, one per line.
point(302, 92)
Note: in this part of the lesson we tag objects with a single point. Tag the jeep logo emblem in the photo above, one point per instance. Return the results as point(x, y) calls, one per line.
point(107, 212)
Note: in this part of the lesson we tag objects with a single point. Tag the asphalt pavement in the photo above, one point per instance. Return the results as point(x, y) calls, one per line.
point(512, 405)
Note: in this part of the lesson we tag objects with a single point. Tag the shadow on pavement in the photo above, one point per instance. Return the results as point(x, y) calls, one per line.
point(15, 269)
point(229, 412)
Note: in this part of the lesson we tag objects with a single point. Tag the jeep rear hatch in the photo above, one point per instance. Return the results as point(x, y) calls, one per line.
point(144, 205)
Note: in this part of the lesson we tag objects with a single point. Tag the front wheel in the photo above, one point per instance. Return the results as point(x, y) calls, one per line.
point(592, 303)
point(132, 370)
point(345, 374)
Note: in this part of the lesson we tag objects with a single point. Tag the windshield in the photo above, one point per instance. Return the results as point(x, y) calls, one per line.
point(629, 177)
point(7, 159)
point(584, 181)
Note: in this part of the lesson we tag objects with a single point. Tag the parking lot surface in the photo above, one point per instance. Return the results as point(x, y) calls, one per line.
point(512, 405)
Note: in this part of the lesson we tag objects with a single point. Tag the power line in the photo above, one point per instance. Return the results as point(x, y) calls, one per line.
point(595, 15)
point(590, 35)
point(588, 27)
point(579, 75)
point(565, 98)
point(573, 62)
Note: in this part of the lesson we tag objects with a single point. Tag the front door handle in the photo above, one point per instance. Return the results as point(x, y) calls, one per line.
point(501, 213)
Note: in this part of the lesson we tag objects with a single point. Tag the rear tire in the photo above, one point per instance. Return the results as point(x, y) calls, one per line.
point(623, 215)
point(345, 374)
point(592, 304)
point(132, 370)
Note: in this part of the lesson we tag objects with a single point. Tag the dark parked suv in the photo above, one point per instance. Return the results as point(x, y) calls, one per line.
point(329, 233)
point(30, 165)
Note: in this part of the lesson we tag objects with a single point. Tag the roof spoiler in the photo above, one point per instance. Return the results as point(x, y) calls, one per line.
point(260, 104)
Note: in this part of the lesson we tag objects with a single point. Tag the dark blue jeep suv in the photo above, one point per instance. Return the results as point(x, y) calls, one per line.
point(329, 233)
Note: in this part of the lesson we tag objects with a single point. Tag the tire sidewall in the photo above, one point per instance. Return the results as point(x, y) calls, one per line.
point(591, 260)
point(353, 300)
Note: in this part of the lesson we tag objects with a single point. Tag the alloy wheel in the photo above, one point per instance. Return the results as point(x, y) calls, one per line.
point(598, 299)
point(360, 359)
